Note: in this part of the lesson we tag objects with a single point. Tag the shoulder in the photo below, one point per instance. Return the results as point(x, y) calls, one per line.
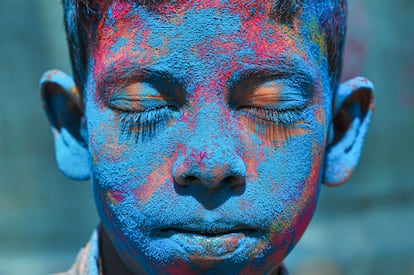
point(87, 261)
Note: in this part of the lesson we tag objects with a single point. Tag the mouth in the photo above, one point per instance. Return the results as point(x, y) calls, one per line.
point(210, 242)
point(210, 232)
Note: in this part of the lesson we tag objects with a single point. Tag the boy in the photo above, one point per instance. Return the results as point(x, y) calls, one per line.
point(206, 127)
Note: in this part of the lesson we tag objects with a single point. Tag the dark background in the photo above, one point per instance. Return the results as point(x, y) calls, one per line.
point(363, 227)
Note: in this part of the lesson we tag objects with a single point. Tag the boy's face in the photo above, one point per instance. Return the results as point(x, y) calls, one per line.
point(207, 123)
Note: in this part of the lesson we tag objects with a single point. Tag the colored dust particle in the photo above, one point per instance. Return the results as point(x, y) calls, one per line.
point(115, 197)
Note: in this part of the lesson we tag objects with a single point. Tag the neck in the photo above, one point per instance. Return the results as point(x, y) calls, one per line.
point(111, 262)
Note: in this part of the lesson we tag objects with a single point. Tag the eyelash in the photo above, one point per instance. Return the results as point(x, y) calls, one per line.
point(145, 124)
point(280, 117)
point(273, 125)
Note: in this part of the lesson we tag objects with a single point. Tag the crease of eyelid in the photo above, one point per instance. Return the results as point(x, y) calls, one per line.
point(280, 105)
point(264, 95)
point(137, 104)
point(136, 94)
point(271, 98)
point(138, 90)
point(268, 97)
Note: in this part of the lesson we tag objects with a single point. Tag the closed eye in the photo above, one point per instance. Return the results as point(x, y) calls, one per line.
point(142, 111)
point(144, 125)
point(139, 96)
point(279, 117)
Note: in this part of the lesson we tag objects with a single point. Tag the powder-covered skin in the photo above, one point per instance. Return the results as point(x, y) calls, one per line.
point(207, 125)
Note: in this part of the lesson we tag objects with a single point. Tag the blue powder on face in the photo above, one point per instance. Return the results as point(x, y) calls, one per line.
point(276, 171)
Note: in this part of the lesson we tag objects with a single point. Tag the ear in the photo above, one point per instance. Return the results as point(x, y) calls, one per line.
point(353, 109)
point(63, 106)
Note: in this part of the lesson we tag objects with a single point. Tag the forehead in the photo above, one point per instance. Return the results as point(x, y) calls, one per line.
point(227, 14)
point(218, 36)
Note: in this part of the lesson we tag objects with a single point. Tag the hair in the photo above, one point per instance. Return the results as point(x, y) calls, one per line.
point(81, 17)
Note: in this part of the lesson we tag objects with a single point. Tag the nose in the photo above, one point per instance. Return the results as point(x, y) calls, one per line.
point(210, 169)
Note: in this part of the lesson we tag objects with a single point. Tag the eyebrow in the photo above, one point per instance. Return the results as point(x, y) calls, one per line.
point(288, 67)
point(133, 72)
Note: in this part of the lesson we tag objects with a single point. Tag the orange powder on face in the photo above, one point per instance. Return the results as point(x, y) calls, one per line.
point(155, 179)
point(271, 132)
point(265, 95)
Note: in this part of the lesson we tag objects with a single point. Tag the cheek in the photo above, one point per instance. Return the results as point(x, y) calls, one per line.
point(286, 171)
point(106, 140)
point(295, 199)
point(125, 170)
point(155, 182)
point(270, 150)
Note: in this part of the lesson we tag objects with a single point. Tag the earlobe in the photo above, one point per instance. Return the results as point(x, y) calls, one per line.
point(353, 109)
point(63, 106)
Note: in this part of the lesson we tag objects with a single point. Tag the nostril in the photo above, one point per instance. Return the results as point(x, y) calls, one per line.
point(234, 182)
point(190, 179)
point(229, 180)
point(186, 180)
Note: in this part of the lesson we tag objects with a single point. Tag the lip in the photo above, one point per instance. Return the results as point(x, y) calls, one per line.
point(210, 241)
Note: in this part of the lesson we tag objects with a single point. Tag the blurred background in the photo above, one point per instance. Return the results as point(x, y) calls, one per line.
point(364, 227)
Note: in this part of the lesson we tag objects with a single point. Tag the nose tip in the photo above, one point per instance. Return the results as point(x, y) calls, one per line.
point(221, 174)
